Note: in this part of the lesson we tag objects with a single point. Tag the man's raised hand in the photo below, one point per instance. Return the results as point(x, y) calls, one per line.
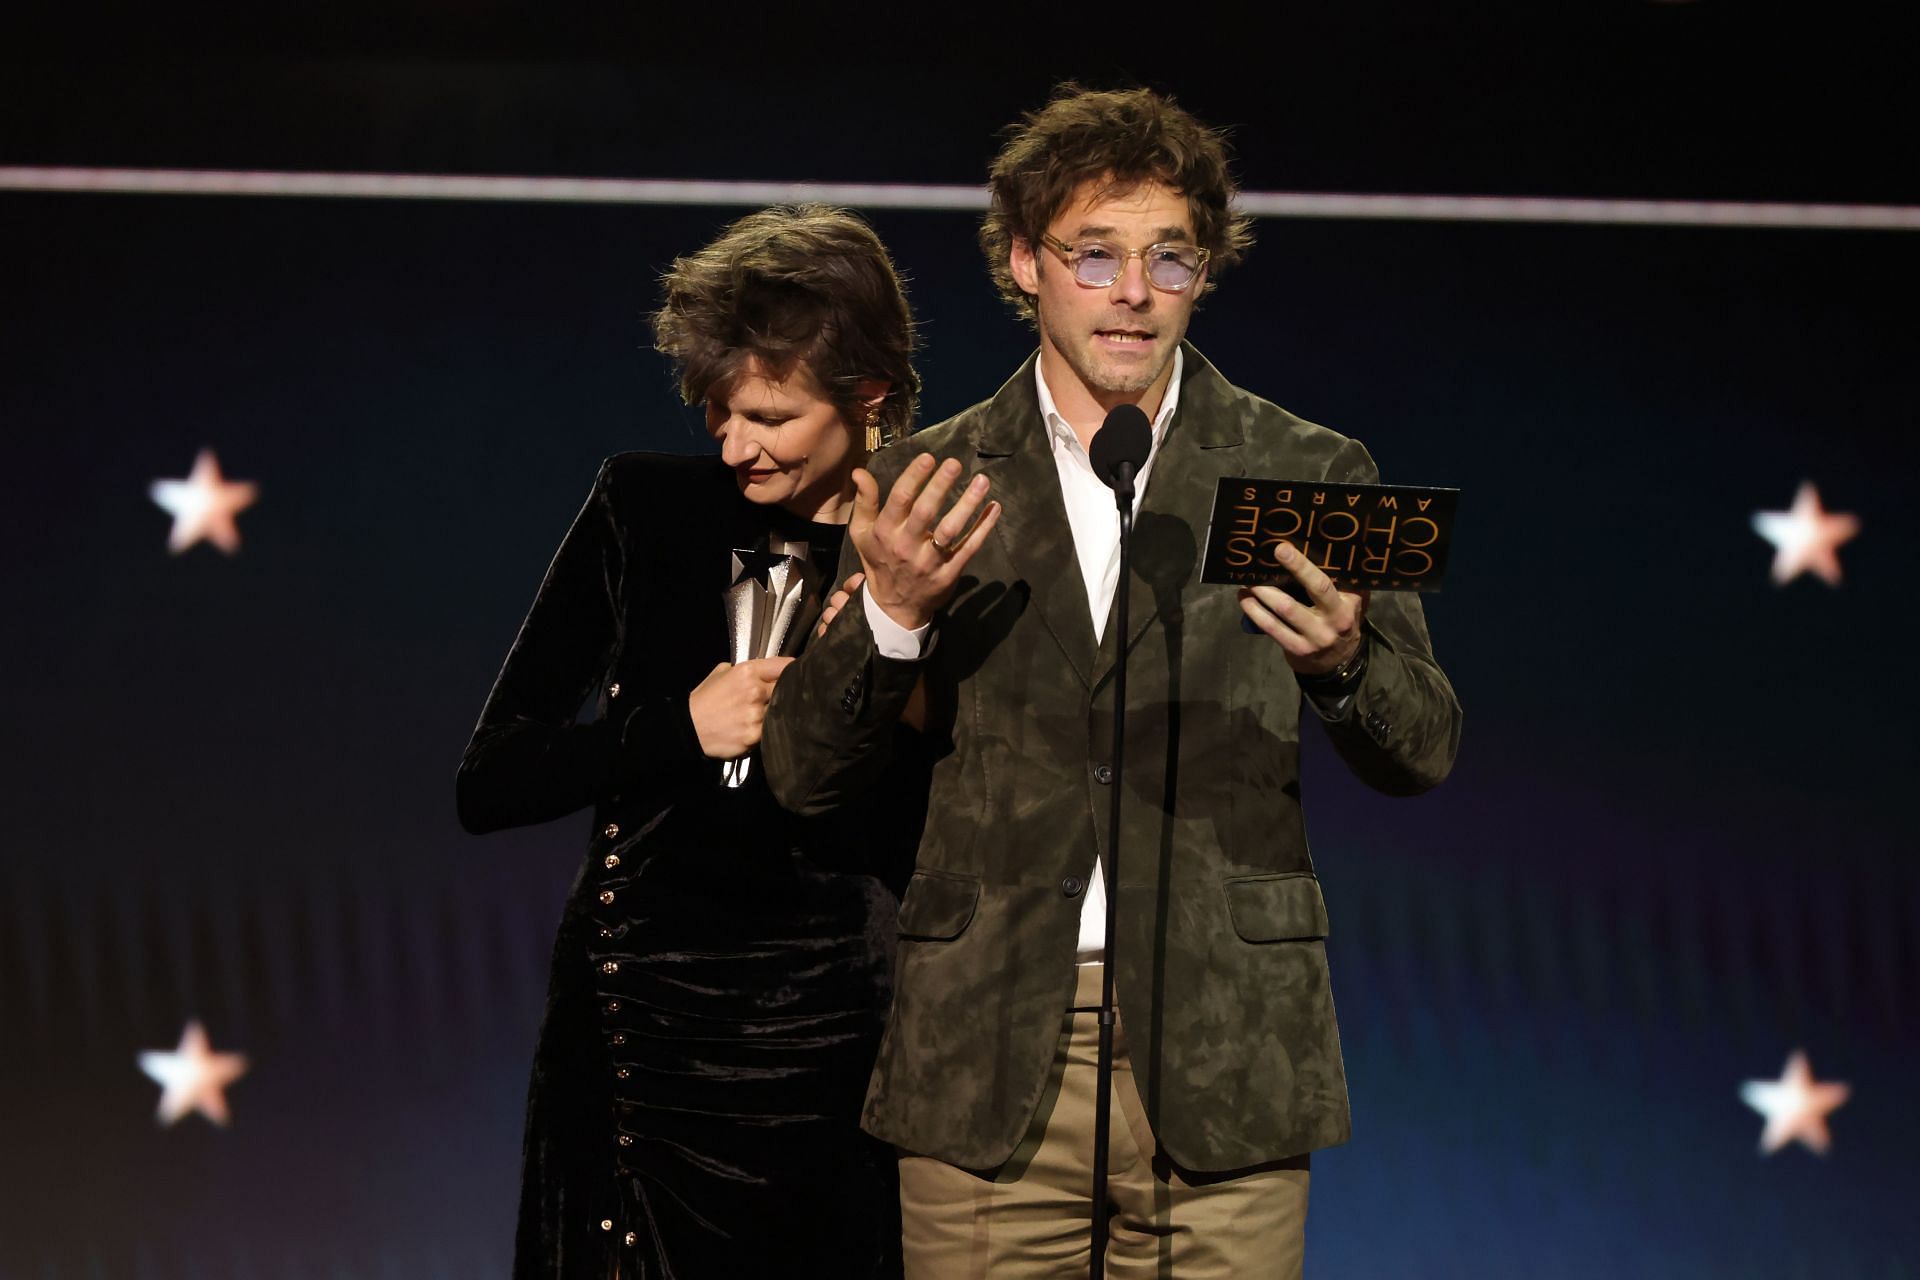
point(912, 553)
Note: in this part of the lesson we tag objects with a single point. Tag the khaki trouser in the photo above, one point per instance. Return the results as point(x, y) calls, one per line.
point(1032, 1218)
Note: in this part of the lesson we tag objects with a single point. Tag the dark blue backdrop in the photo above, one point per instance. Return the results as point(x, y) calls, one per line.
point(1678, 844)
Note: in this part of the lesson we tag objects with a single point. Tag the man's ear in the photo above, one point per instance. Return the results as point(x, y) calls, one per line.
point(1024, 266)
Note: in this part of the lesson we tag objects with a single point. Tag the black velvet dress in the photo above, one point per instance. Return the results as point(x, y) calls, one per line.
point(722, 969)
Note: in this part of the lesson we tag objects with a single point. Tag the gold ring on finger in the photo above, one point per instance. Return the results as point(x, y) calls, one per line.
point(945, 549)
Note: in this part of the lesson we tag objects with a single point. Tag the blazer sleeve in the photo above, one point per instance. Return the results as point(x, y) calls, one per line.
point(1402, 732)
point(528, 760)
point(829, 731)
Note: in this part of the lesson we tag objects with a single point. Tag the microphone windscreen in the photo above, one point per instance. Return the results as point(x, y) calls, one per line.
point(1125, 437)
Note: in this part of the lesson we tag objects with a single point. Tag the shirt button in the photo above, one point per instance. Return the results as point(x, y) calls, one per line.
point(1072, 886)
point(613, 860)
point(612, 830)
point(610, 966)
point(606, 897)
point(606, 1224)
point(613, 690)
point(632, 1239)
point(1103, 774)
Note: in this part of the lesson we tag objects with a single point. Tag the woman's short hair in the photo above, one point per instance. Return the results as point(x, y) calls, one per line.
point(793, 283)
point(1123, 138)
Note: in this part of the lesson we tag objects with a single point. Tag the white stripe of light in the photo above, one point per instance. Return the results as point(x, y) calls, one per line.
point(968, 199)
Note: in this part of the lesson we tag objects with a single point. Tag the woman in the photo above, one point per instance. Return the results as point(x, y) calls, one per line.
point(717, 991)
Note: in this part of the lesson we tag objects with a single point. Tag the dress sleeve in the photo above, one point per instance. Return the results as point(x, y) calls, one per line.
point(528, 760)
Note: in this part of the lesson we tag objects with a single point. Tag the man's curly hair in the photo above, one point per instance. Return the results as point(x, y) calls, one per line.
point(1120, 138)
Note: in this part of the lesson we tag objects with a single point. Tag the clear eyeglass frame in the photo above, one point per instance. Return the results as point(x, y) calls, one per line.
point(1094, 272)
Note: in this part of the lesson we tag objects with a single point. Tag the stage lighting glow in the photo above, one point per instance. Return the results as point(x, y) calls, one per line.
point(1806, 537)
point(193, 1077)
point(1796, 1106)
point(203, 506)
point(931, 196)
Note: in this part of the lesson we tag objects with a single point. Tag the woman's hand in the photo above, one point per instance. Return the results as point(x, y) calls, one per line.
point(729, 706)
point(838, 601)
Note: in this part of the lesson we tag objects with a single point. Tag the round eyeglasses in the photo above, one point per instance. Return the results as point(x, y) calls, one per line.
point(1171, 267)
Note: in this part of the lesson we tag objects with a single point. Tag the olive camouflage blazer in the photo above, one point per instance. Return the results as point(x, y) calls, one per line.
point(1222, 973)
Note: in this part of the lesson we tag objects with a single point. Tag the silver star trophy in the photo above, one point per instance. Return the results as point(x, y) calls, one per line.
point(767, 591)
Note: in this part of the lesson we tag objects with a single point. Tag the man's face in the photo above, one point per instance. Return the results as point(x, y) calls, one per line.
point(1118, 339)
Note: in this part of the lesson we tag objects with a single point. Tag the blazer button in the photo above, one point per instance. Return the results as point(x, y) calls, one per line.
point(1103, 774)
point(1072, 886)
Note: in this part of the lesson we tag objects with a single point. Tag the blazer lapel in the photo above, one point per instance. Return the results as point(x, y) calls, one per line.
point(1201, 445)
point(1033, 534)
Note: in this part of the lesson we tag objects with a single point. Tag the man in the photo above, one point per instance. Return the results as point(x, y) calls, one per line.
point(1110, 216)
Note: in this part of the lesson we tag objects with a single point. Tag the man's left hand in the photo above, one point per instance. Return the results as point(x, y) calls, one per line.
point(1317, 637)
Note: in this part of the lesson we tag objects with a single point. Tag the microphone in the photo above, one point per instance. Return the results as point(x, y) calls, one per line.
point(1120, 449)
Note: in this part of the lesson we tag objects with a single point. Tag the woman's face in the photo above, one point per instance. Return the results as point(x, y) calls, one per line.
point(785, 441)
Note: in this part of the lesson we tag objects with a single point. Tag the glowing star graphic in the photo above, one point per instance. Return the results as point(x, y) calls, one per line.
point(193, 1077)
point(203, 505)
point(1796, 1106)
point(1805, 538)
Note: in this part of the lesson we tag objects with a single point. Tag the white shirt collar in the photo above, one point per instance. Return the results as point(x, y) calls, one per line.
point(1062, 431)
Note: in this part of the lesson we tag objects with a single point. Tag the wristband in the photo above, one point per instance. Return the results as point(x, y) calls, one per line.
point(1342, 679)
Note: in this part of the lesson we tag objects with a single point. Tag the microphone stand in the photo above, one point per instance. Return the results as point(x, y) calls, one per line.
point(1103, 1072)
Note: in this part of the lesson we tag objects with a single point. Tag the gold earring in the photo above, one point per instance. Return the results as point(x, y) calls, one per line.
point(874, 436)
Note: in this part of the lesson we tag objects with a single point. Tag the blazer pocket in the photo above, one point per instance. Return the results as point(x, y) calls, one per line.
point(1277, 908)
point(937, 907)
